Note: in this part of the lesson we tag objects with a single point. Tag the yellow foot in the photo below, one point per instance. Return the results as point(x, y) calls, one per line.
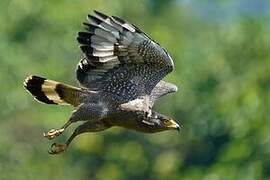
point(57, 148)
point(53, 133)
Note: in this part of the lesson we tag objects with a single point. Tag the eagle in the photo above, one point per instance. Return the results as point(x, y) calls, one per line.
point(120, 79)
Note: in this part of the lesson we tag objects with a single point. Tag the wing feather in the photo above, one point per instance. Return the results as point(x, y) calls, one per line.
point(161, 89)
point(113, 46)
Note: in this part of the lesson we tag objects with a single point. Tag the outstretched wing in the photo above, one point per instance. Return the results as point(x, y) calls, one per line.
point(120, 58)
point(146, 103)
point(161, 89)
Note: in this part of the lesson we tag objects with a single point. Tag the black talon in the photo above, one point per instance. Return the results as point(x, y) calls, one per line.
point(51, 150)
point(57, 148)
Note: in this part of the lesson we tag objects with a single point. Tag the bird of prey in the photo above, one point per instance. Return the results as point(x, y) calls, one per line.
point(120, 79)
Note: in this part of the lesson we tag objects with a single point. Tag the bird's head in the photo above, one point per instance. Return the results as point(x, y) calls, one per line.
point(160, 122)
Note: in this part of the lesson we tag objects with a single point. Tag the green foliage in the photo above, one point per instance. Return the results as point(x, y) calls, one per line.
point(222, 70)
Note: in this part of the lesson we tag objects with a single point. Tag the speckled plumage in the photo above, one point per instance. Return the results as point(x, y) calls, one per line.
point(120, 77)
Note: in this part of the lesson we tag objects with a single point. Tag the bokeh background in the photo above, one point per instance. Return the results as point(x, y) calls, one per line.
point(221, 51)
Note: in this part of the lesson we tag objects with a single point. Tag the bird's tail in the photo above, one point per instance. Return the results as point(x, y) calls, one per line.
point(52, 92)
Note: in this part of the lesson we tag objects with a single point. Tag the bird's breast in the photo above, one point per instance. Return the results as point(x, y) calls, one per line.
point(131, 120)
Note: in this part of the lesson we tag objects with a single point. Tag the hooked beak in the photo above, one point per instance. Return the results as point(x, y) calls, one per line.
point(174, 125)
point(178, 128)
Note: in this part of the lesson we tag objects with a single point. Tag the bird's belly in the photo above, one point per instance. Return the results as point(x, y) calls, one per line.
point(127, 120)
point(130, 121)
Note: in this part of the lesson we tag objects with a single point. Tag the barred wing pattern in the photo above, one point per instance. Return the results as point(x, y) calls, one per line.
point(120, 58)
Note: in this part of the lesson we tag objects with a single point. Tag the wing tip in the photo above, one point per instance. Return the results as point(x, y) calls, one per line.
point(175, 88)
point(100, 14)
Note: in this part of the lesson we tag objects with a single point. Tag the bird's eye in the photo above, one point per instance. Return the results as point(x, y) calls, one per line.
point(167, 122)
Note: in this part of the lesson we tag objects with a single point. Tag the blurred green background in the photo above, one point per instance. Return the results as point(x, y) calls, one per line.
point(221, 51)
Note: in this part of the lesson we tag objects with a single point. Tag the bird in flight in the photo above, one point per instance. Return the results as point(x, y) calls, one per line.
point(120, 79)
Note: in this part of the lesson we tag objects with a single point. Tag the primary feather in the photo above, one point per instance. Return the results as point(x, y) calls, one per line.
point(120, 58)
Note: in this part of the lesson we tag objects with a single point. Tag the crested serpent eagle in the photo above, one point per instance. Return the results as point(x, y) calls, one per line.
point(120, 76)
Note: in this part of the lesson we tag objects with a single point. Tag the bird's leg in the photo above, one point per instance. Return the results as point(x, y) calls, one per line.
point(89, 126)
point(56, 132)
point(84, 112)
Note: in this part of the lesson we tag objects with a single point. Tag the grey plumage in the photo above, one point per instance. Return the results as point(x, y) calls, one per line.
point(161, 89)
point(134, 57)
point(120, 77)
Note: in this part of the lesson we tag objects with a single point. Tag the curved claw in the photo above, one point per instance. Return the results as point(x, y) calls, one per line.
point(57, 148)
point(53, 133)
